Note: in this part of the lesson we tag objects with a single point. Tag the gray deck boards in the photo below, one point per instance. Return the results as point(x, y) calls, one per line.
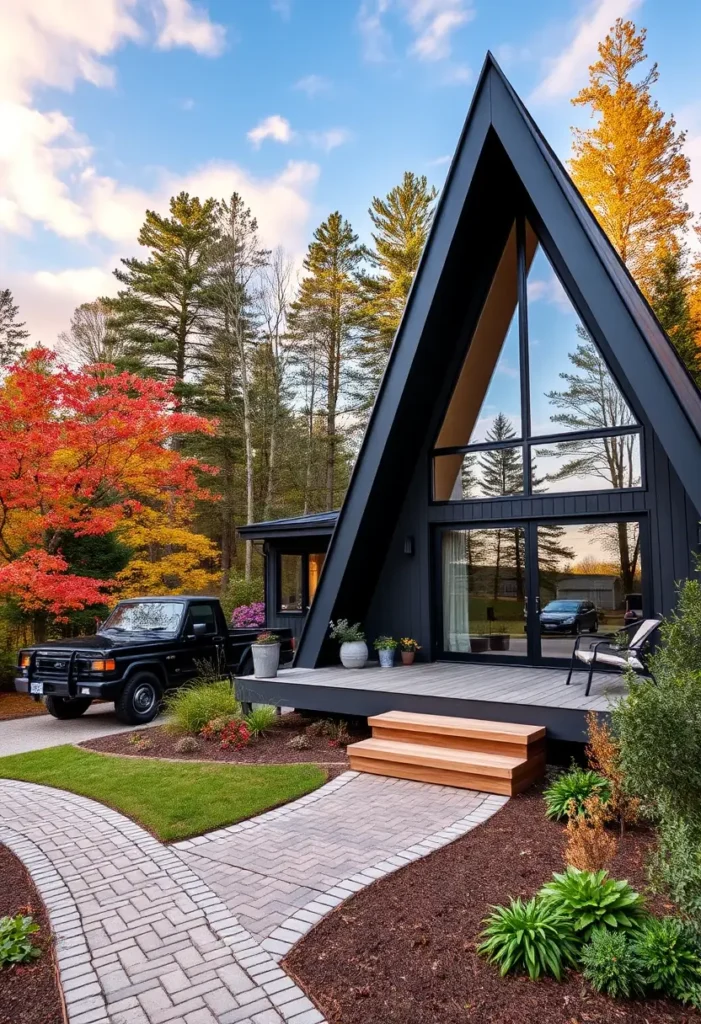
point(505, 684)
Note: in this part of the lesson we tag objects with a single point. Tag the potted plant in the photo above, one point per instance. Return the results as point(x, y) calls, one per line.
point(385, 647)
point(354, 650)
point(499, 641)
point(408, 648)
point(266, 655)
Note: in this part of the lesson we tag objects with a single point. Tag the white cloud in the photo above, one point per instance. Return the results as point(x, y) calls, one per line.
point(330, 139)
point(567, 72)
point(432, 23)
point(458, 74)
point(375, 38)
point(440, 161)
point(36, 150)
point(312, 85)
point(46, 299)
point(182, 23)
point(274, 127)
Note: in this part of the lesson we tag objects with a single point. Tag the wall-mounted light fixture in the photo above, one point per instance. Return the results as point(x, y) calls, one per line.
point(408, 545)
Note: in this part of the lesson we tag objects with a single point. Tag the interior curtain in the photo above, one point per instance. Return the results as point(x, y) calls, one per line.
point(456, 616)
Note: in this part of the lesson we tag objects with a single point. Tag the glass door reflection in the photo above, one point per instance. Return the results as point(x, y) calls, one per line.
point(589, 582)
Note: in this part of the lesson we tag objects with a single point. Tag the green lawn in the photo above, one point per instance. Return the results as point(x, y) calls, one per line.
point(174, 801)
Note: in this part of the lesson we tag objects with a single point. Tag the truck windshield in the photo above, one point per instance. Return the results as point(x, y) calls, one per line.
point(145, 617)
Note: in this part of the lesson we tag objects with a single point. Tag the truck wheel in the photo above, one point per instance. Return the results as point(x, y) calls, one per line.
point(140, 700)
point(63, 708)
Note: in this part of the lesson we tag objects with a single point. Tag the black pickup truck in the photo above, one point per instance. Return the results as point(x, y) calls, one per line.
point(147, 646)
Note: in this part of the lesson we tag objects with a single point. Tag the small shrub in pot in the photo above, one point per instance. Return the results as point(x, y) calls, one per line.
point(354, 650)
point(385, 647)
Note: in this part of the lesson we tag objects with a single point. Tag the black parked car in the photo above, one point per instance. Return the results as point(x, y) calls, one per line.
point(147, 645)
point(569, 617)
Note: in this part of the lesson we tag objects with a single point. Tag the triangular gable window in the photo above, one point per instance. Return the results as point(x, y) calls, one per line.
point(535, 392)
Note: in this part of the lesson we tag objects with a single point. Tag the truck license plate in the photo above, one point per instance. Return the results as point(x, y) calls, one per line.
point(36, 688)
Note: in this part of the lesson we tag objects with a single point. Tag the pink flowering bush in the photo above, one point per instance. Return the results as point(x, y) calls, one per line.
point(248, 616)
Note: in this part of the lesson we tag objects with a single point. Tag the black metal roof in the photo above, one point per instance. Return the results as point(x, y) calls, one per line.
point(502, 163)
point(314, 524)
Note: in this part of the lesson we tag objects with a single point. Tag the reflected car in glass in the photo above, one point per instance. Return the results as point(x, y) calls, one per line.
point(569, 617)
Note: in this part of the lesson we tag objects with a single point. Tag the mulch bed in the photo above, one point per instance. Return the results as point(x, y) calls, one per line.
point(273, 748)
point(403, 951)
point(29, 994)
point(19, 705)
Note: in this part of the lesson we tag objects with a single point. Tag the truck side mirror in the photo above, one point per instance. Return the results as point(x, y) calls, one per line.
point(199, 629)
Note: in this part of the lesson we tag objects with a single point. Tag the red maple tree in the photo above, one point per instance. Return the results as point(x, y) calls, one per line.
point(80, 450)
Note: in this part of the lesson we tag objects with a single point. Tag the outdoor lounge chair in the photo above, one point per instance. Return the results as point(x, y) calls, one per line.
point(616, 655)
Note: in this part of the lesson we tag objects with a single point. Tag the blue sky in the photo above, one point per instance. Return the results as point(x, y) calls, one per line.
point(304, 106)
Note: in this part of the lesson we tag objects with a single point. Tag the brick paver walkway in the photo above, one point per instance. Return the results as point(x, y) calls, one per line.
point(281, 872)
point(192, 933)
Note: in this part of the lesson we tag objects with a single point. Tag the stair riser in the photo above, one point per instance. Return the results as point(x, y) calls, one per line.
point(486, 746)
point(439, 776)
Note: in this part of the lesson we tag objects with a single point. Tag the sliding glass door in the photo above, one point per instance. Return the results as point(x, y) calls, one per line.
point(528, 590)
point(484, 591)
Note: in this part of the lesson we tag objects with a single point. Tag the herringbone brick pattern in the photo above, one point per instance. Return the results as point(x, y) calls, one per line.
point(284, 861)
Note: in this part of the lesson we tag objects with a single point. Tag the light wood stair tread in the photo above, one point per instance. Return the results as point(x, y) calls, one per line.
point(440, 757)
point(468, 728)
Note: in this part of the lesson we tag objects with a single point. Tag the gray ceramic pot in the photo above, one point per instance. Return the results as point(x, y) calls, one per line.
point(266, 658)
point(354, 654)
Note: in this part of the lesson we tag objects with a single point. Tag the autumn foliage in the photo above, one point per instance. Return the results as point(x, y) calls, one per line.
point(81, 453)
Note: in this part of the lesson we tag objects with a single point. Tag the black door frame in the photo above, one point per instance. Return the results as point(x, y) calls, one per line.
point(534, 655)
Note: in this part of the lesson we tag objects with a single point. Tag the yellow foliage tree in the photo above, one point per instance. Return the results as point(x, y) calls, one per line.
point(630, 167)
point(168, 557)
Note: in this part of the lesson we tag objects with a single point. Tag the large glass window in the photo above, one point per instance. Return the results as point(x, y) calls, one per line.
point(535, 409)
point(290, 583)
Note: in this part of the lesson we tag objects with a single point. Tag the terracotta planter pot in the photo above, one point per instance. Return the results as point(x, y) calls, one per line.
point(408, 657)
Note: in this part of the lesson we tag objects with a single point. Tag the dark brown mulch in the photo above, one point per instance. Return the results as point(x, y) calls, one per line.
point(29, 994)
point(272, 748)
point(19, 705)
point(403, 951)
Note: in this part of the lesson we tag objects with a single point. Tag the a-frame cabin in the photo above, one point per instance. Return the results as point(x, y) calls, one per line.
point(532, 465)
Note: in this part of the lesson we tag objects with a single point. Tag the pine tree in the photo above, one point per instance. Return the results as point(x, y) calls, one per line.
point(323, 320)
point(671, 302)
point(162, 311)
point(12, 332)
point(402, 221)
point(236, 259)
point(502, 474)
point(630, 167)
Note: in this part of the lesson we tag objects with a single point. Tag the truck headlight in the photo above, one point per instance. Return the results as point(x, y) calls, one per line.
point(103, 665)
point(568, 622)
point(25, 660)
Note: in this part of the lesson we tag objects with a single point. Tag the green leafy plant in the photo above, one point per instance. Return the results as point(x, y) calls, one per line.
point(261, 719)
point(669, 955)
point(532, 937)
point(16, 946)
point(611, 964)
point(344, 633)
point(267, 638)
point(590, 900)
point(577, 784)
point(385, 643)
point(190, 708)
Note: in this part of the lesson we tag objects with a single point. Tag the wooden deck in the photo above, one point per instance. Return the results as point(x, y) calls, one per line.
point(506, 693)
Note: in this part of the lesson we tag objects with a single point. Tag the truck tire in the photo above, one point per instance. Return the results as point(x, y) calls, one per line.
point(140, 700)
point(62, 708)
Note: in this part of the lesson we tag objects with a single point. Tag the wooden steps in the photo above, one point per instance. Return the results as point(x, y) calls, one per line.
point(495, 757)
